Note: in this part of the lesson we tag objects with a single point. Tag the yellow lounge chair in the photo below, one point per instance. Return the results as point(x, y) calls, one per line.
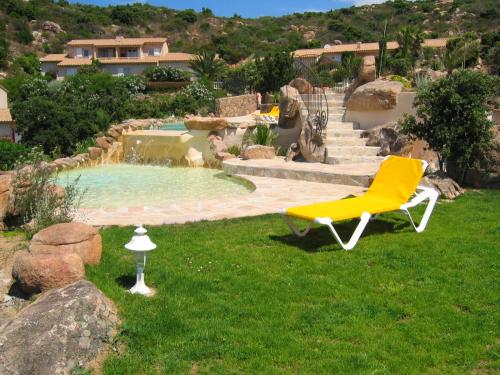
point(394, 184)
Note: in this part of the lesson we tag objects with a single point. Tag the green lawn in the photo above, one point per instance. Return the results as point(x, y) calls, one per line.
point(245, 296)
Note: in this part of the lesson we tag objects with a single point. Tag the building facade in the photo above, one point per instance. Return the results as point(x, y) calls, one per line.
point(334, 53)
point(119, 56)
point(7, 124)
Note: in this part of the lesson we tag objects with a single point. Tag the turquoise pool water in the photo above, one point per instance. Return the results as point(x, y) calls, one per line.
point(128, 185)
point(179, 126)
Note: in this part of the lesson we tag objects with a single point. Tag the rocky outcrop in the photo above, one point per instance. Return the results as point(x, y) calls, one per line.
point(367, 70)
point(103, 143)
point(206, 123)
point(5, 195)
point(312, 143)
point(234, 106)
point(64, 330)
point(219, 148)
point(77, 238)
point(302, 86)
point(379, 95)
point(446, 187)
point(289, 108)
point(52, 27)
point(392, 142)
point(94, 152)
point(35, 273)
point(258, 152)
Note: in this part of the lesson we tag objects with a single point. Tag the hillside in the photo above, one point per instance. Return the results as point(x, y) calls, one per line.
point(22, 25)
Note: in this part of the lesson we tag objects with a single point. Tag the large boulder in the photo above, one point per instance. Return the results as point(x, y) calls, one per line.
point(392, 142)
point(52, 27)
point(94, 153)
point(289, 108)
point(35, 273)
point(302, 86)
point(258, 152)
point(446, 186)
point(103, 143)
point(379, 95)
point(63, 331)
point(312, 143)
point(5, 194)
point(206, 123)
point(367, 70)
point(78, 238)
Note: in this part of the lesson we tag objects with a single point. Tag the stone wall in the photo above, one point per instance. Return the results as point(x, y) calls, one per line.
point(234, 106)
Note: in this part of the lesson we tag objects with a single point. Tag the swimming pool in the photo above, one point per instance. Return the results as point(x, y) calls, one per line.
point(177, 126)
point(129, 185)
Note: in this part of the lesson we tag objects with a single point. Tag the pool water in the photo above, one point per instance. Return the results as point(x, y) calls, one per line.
point(178, 126)
point(128, 185)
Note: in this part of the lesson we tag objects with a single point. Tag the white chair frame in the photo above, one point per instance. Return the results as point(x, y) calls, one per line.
point(425, 193)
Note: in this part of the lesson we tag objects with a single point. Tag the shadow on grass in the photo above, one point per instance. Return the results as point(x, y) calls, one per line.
point(126, 281)
point(320, 239)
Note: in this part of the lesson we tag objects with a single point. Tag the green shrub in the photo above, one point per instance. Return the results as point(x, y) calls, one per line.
point(275, 70)
point(166, 74)
point(262, 135)
point(401, 66)
point(10, 154)
point(234, 150)
point(38, 203)
point(452, 117)
point(134, 84)
point(406, 83)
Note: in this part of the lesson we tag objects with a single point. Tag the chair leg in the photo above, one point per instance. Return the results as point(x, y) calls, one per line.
point(432, 196)
point(296, 230)
point(365, 218)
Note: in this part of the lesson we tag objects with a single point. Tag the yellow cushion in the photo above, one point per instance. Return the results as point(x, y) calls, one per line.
point(394, 184)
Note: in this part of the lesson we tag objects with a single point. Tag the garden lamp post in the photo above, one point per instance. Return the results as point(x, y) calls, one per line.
point(140, 244)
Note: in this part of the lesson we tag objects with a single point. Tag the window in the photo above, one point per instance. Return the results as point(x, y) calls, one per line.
point(70, 71)
point(132, 53)
point(82, 52)
point(86, 52)
point(154, 51)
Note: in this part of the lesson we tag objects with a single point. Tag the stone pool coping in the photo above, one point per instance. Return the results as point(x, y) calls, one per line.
point(270, 196)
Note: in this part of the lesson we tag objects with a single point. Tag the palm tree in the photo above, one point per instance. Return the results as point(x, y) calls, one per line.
point(207, 65)
point(410, 41)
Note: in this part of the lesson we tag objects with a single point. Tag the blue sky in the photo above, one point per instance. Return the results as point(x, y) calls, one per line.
point(246, 8)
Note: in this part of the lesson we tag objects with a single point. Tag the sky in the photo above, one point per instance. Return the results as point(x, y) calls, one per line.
point(245, 8)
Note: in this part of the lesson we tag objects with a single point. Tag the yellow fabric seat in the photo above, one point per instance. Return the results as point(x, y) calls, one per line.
point(394, 183)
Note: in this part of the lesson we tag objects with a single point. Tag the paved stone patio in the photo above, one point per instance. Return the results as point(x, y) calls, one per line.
point(270, 196)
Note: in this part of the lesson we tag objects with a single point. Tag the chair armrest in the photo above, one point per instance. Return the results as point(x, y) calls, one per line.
point(425, 193)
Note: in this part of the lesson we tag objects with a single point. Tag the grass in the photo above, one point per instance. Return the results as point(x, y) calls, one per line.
point(245, 296)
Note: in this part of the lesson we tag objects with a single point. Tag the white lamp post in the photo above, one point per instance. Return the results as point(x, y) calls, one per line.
point(140, 244)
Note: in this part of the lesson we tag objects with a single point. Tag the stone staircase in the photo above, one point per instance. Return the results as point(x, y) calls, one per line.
point(344, 143)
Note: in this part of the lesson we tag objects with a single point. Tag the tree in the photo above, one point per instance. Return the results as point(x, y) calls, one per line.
point(207, 65)
point(462, 52)
point(275, 70)
point(452, 117)
point(410, 41)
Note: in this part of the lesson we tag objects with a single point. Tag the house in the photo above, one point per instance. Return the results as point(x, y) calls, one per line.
point(7, 125)
point(334, 53)
point(118, 56)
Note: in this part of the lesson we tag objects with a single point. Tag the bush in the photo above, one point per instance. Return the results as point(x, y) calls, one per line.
point(274, 71)
point(262, 135)
point(133, 84)
point(406, 83)
point(166, 74)
point(199, 91)
point(37, 201)
point(10, 153)
point(401, 66)
point(452, 117)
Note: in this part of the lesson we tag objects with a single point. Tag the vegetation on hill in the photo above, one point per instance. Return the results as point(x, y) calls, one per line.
point(234, 38)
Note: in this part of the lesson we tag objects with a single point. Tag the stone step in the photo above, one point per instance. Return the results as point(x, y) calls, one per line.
point(353, 151)
point(354, 175)
point(344, 132)
point(348, 160)
point(341, 125)
point(332, 142)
